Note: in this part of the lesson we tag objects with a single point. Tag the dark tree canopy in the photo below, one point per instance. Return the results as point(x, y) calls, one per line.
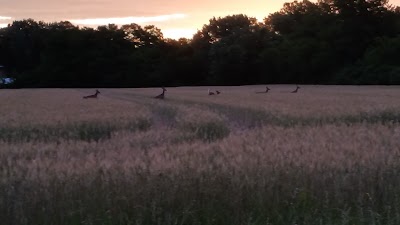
point(323, 42)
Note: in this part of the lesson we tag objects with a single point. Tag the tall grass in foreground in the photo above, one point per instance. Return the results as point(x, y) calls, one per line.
point(333, 174)
point(171, 162)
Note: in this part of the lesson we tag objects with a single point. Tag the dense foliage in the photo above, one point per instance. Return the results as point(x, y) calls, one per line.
point(326, 42)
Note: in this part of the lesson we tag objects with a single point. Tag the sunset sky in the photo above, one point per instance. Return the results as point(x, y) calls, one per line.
point(176, 18)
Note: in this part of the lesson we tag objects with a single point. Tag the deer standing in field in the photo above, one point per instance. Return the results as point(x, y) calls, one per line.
point(92, 96)
point(162, 95)
point(297, 88)
point(266, 91)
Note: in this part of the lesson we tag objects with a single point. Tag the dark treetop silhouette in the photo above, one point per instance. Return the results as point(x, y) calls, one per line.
point(324, 42)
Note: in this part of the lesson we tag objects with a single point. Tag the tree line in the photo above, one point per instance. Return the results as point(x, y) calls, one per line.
point(323, 42)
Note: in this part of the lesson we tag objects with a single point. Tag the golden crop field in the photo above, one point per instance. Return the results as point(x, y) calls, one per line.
point(325, 155)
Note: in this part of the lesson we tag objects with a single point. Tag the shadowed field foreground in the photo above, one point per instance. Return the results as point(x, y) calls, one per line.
point(326, 155)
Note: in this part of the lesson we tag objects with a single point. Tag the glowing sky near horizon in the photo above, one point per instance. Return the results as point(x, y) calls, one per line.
point(176, 18)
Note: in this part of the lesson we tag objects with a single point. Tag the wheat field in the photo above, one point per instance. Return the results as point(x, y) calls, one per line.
point(326, 155)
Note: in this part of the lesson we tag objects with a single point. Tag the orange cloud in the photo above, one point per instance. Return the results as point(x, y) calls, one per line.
point(127, 20)
point(5, 18)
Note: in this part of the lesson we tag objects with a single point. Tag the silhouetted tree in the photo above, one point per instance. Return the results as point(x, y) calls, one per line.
point(328, 41)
